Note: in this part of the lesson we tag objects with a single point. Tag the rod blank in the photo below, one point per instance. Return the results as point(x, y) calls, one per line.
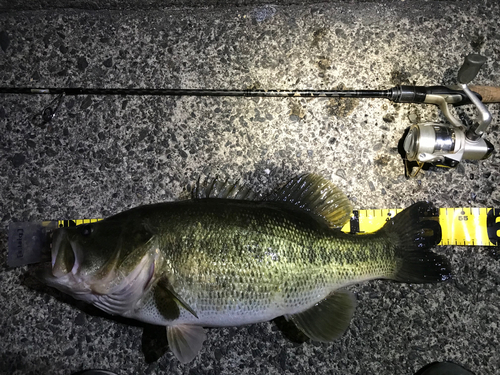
point(199, 92)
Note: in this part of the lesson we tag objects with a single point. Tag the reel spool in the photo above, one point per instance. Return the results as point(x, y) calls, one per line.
point(443, 145)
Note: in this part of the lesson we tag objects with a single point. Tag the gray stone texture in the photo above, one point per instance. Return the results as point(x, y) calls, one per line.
point(101, 155)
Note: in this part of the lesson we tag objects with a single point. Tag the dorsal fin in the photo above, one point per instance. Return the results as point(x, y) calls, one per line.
point(214, 187)
point(317, 195)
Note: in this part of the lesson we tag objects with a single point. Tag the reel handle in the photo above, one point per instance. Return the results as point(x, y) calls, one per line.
point(468, 71)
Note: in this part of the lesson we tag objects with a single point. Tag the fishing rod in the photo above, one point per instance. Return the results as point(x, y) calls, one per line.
point(397, 94)
point(443, 145)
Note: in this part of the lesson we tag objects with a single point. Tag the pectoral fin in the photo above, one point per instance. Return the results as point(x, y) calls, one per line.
point(164, 289)
point(185, 341)
point(167, 304)
point(328, 319)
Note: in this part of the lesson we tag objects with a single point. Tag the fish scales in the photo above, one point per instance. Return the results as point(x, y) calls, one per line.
point(232, 258)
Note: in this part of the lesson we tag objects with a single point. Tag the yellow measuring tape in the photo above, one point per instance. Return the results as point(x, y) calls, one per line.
point(460, 226)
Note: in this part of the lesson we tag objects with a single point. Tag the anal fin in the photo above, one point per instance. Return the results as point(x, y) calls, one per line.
point(328, 319)
point(185, 341)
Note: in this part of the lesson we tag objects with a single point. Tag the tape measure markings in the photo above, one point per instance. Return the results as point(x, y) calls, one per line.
point(465, 226)
point(74, 223)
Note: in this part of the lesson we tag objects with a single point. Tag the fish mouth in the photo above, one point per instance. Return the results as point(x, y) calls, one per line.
point(109, 289)
point(64, 256)
point(65, 264)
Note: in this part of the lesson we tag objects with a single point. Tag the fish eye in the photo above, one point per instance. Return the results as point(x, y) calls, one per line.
point(87, 230)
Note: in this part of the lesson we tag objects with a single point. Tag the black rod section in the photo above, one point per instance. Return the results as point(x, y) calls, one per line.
point(200, 92)
point(397, 94)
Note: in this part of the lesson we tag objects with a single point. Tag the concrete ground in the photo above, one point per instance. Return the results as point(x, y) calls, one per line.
point(101, 155)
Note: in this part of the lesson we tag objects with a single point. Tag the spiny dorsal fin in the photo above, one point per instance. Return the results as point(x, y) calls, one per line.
point(317, 195)
point(215, 187)
point(328, 319)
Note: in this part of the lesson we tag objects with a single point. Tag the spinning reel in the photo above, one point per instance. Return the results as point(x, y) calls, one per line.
point(445, 145)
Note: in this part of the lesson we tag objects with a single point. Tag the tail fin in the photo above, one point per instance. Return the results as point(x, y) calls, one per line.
point(414, 234)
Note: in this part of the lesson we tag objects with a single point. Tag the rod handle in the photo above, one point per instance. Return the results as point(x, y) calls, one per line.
point(489, 94)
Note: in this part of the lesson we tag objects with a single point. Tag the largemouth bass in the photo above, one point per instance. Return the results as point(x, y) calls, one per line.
point(227, 258)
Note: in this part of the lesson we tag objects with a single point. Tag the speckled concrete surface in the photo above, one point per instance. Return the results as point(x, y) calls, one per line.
point(9, 5)
point(102, 155)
